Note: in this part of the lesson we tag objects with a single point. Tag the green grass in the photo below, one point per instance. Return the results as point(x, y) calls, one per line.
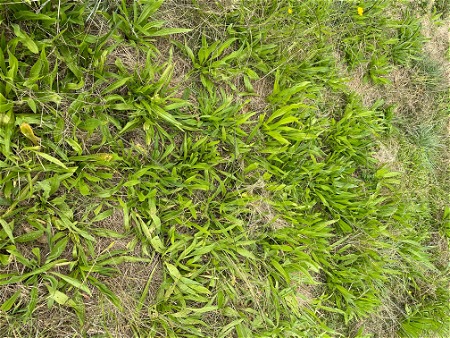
point(204, 169)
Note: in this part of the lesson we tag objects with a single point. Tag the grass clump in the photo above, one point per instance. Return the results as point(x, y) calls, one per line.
point(199, 169)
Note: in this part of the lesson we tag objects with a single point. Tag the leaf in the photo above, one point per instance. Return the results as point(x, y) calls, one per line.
point(106, 291)
point(28, 132)
point(5, 107)
point(59, 297)
point(281, 270)
point(32, 105)
point(38, 271)
point(90, 124)
point(29, 237)
point(102, 216)
point(222, 48)
point(284, 110)
point(51, 159)
point(245, 253)
point(173, 271)
point(57, 249)
point(13, 68)
point(7, 305)
point(8, 229)
point(277, 136)
point(74, 282)
point(157, 244)
point(32, 16)
point(169, 31)
point(116, 85)
point(25, 39)
point(150, 8)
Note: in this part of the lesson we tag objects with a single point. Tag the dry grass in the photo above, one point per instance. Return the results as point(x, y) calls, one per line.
point(263, 87)
point(263, 216)
point(128, 285)
point(387, 154)
point(437, 46)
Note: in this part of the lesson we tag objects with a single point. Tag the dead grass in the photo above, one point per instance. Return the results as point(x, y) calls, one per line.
point(132, 57)
point(128, 285)
point(56, 322)
point(382, 324)
point(387, 154)
point(263, 88)
point(437, 46)
point(411, 92)
point(263, 216)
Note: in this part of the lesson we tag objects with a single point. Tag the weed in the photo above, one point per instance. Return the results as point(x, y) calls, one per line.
point(244, 195)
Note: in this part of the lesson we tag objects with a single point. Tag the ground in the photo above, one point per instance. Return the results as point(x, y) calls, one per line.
point(194, 168)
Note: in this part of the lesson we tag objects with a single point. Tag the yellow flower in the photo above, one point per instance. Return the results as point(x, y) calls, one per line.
point(289, 10)
point(360, 11)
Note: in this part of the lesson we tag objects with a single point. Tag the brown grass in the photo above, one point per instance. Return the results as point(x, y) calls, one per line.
point(128, 286)
point(263, 215)
point(263, 88)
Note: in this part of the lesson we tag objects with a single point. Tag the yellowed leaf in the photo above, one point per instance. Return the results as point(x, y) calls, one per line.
point(28, 132)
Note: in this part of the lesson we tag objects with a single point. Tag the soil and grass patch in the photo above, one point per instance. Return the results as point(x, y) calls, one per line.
point(224, 168)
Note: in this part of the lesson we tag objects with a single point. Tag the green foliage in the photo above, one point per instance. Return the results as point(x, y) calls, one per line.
point(246, 187)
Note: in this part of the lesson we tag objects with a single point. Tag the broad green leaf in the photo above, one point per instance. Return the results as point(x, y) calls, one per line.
point(277, 136)
point(8, 304)
point(25, 39)
point(51, 159)
point(8, 228)
point(116, 85)
point(173, 271)
point(169, 31)
point(74, 282)
point(57, 249)
point(281, 270)
point(29, 237)
point(59, 297)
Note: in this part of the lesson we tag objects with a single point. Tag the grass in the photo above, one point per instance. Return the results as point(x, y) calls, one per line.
point(224, 169)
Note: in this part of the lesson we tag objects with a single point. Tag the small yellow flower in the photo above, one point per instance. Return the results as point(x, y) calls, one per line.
point(360, 11)
point(289, 10)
